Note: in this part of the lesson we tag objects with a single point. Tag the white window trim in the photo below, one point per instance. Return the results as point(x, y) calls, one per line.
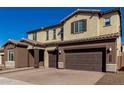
point(35, 35)
point(1, 57)
point(8, 55)
point(106, 21)
point(47, 35)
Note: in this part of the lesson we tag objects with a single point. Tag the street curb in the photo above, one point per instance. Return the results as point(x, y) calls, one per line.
point(16, 70)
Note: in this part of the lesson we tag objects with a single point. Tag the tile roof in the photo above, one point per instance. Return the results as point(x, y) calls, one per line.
point(101, 37)
point(15, 42)
point(32, 42)
point(76, 12)
point(23, 41)
point(1, 50)
point(46, 28)
point(80, 11)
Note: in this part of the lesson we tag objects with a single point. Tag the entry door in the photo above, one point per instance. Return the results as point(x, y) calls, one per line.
point(52, 59)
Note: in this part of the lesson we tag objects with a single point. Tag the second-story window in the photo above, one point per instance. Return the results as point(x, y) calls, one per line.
point(35, 36)
point(107, 21)
point(54, 33)
point(47, 35)
point(62, 33)
point(78, 26)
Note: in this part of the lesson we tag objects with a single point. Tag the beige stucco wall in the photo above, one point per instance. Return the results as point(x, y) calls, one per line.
point(92, 26)
point(113, 28)
point(30, 36)
point(46, 59)
point(41, 35)
point(95, 27)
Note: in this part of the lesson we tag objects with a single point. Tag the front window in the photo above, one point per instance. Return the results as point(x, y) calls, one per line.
point(47, 35)
point(107, 21)
point(10, 55)
point(78, 26)
point(54, 34)
point(35, 36)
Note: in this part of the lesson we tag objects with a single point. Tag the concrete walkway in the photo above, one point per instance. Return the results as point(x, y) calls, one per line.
point(8, 81)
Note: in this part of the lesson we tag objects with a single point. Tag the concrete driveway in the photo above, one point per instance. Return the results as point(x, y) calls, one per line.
point(55, 76)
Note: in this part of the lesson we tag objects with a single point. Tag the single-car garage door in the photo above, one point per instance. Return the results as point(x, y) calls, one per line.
point(88, 59)
point(52, 59)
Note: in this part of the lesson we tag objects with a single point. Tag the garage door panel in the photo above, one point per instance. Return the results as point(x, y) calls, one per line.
point(84, 60)
point(85, 67)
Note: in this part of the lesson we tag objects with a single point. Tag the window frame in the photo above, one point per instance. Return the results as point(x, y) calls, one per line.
point(54, 34)
point(47, 35)
point(73, 26)
point(62, 33)
point(105, 25)
point(10, 53)
point(35, 36)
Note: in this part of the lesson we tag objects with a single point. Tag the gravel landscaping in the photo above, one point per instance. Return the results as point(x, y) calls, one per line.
point(112, 79)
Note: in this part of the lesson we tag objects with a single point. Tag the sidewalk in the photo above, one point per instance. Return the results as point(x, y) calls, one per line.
point(8, 81)
point(15, 70)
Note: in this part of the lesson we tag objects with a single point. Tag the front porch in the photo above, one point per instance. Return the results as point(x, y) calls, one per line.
point(41, 57)
point(35, 57)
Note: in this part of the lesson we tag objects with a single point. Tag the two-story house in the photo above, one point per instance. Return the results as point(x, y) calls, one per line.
point(84, 40)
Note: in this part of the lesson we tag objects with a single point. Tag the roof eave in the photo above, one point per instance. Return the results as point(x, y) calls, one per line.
point(45, 28)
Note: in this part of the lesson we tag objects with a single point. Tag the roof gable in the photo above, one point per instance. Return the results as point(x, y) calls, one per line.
point(31, 42)
point(15, 42)
point(92, 11)
point(80, 11)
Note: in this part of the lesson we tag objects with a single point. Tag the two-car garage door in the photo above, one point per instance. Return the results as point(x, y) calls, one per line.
point(88, 59)
point(81, 59)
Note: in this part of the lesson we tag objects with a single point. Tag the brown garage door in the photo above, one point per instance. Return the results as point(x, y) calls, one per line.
point(90, 60)
point(52, 59)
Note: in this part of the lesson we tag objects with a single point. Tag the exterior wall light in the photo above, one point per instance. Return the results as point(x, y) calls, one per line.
point(60, 51)
point(110, 49)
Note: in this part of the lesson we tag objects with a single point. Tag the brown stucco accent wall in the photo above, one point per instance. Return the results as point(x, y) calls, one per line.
point(20, 55)
point(31, 58)
point(94, 44)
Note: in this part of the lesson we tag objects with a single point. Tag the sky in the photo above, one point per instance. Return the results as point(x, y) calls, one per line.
point(16, 21)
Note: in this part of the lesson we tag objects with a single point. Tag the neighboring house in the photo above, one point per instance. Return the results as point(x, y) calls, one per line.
point(122, 48)
point(2, 65)
point(1, 56)
point(84, 40)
